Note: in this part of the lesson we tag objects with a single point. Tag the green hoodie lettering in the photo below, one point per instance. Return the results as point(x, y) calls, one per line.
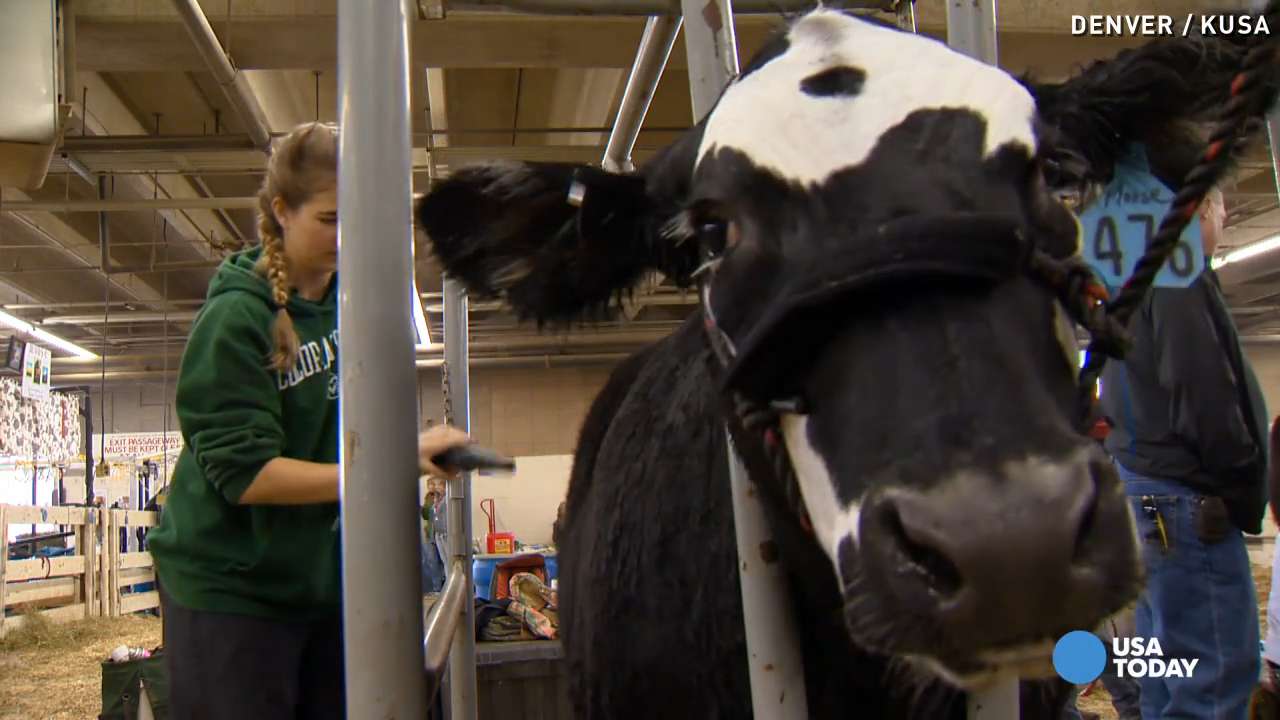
point(237, 414)
point(314, 357)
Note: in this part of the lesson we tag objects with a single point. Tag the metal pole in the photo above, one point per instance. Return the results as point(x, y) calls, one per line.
point(651, 58)
point(1273, 137)
point(68, 52)
point(997, 702)
point(971, 29)
point(712, 50)
point(104, 233)
point(462, 654)
point(907, 16)
point(381, 570)
point(773, 654)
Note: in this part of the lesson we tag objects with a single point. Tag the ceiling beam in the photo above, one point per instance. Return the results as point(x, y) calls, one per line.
point(66, 239)
point(108, 114)
point(310, 43)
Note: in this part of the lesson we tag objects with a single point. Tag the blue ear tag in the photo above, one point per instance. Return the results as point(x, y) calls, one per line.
point(1120, 222)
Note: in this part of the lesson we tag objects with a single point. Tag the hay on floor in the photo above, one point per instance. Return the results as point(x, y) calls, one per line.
point(54, 670)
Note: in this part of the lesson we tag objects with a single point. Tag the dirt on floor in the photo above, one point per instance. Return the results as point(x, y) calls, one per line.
point(54, 671)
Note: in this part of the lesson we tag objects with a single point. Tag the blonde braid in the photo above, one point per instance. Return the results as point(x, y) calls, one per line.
point(272, 264)
point(303, 163)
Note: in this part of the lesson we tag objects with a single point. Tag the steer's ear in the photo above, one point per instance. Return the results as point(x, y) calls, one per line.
point(1138, 96)
point(559, 242)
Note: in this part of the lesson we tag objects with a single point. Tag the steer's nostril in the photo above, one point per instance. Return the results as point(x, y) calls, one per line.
point(937, 571)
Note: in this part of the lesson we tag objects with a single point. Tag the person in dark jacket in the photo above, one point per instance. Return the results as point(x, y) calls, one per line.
point(1188, 441)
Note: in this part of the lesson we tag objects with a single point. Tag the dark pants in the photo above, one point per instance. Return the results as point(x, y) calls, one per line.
point(236, 667)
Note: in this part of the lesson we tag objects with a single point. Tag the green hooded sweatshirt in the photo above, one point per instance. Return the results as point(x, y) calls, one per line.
point(236, 414)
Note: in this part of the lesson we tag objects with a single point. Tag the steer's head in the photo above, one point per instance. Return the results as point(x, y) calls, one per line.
point(853, 212)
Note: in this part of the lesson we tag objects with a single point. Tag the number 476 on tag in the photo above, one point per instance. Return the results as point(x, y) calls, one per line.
point(1118, 225)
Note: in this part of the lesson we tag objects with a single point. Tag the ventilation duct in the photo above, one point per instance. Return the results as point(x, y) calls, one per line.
point(29, 115)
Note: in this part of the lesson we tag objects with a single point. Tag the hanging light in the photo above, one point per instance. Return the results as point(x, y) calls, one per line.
point(1248, 251)
point(43, 335)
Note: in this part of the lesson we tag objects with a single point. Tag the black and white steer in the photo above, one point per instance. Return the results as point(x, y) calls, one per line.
point(852, 211)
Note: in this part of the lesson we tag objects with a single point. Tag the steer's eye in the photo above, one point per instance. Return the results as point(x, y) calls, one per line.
point(716, 235)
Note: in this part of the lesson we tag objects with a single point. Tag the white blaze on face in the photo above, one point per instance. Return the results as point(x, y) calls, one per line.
point(803, 138)
point(832, 522)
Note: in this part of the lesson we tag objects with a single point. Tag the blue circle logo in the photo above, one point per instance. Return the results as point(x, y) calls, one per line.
point(1079, 657)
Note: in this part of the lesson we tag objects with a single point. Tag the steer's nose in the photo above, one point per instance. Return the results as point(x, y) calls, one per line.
point(1007, 556)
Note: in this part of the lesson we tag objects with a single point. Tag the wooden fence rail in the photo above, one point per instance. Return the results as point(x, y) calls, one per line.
point(100, 580)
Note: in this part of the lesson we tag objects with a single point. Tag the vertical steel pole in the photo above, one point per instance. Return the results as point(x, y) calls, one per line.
point(462, 653)
point(381, 570)
point(971, 29)
point(712, 49)
point(1273, 141)
point(907, 16)
point(774, 663)
point(998, 701)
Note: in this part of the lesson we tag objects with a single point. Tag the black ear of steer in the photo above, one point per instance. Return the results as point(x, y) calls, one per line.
point(855, 225)
point(560, 242)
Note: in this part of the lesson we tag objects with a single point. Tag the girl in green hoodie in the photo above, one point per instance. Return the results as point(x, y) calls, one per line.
point(247, 550)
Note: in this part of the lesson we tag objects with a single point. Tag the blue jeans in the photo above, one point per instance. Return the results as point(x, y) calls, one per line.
point(432, 568)
point(1199, 602)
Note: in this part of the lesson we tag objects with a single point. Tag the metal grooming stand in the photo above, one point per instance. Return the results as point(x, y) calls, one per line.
point(971, 29)
point(382, 577)
point(381, 570)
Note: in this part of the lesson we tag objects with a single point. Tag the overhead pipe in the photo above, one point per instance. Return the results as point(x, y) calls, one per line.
point(156, 143)
point(644, 7)
point(234, 84)
point(127, 304)
point(543, 361)
point(123, 317)
point(659, 38)
point(176, 266)
point(129, 204)
point(237, 141)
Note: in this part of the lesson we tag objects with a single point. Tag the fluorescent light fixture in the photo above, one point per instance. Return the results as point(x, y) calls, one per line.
point(420, 323)
point(23, 326)
point(1248, 251)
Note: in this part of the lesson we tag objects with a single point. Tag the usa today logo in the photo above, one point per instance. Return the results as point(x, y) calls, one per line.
point(1080, 657)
